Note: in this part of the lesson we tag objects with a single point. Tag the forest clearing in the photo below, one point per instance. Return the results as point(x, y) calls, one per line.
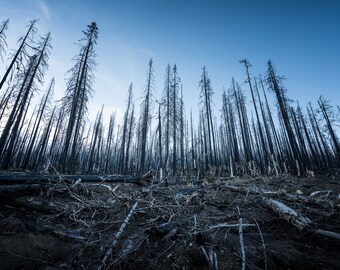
point(253, 184)
point(274, 222)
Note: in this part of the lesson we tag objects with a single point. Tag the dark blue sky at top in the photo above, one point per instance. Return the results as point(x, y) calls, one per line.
point(302, 38)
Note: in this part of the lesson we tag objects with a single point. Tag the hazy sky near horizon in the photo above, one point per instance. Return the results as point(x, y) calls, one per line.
point(301, 37)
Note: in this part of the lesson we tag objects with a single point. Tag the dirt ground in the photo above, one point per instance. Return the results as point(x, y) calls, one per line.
point(187, 225)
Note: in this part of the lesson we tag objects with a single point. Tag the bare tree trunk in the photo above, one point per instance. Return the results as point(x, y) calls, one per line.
point(20, 50)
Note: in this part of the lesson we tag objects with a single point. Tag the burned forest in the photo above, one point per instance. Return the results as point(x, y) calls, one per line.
point(253, 184)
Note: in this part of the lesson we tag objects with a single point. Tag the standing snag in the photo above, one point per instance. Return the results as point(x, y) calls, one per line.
point(20, 53)
point(145, 118)
point(34, 72)
point(79, 89)
point(3, 44)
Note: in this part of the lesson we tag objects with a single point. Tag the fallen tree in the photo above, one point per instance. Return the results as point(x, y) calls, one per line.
point(297, 219)
point(10, 190)
point(287, 213)
point(38, 204)
point(108, 254)
point(23, 178)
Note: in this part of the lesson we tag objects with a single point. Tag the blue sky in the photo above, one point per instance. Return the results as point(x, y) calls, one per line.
point(302, 38)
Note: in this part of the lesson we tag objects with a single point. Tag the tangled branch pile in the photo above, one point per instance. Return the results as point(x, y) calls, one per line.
point(226, 224)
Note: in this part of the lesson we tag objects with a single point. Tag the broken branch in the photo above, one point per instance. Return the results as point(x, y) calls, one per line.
point(117, 237)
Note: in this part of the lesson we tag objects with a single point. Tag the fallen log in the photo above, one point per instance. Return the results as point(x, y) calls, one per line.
point(297, 219)
point(288, 214)
point(21, 178)
point(38, 204)
point(10, 190)
point(118, 235)
point(328, 234)
point(282, 193)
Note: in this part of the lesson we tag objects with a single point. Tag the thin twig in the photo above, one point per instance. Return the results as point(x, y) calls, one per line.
point(226, 225)
point(240, 231)
point(263, 245)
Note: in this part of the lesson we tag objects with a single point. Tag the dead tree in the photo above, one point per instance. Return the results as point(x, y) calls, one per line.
point(160, 145)
point(247, 65)
point(182, 130)
point(43, 143)
point(323, 152)
point(37, 125)
point(35, 71)
point(230, 129)
point(79, 88)
point(316, 164)
point(145, 117)
point(243, 121)
point(206, 93)
point(283, 107)
point(125, 131)
point(166, 112)
point(326, 112)
point(193, 146)
point(131, 127)
point(175, 116)
point(55, 145)
point(94, 145)
point(3, 44)
point(20, 52)
point(109, 144)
